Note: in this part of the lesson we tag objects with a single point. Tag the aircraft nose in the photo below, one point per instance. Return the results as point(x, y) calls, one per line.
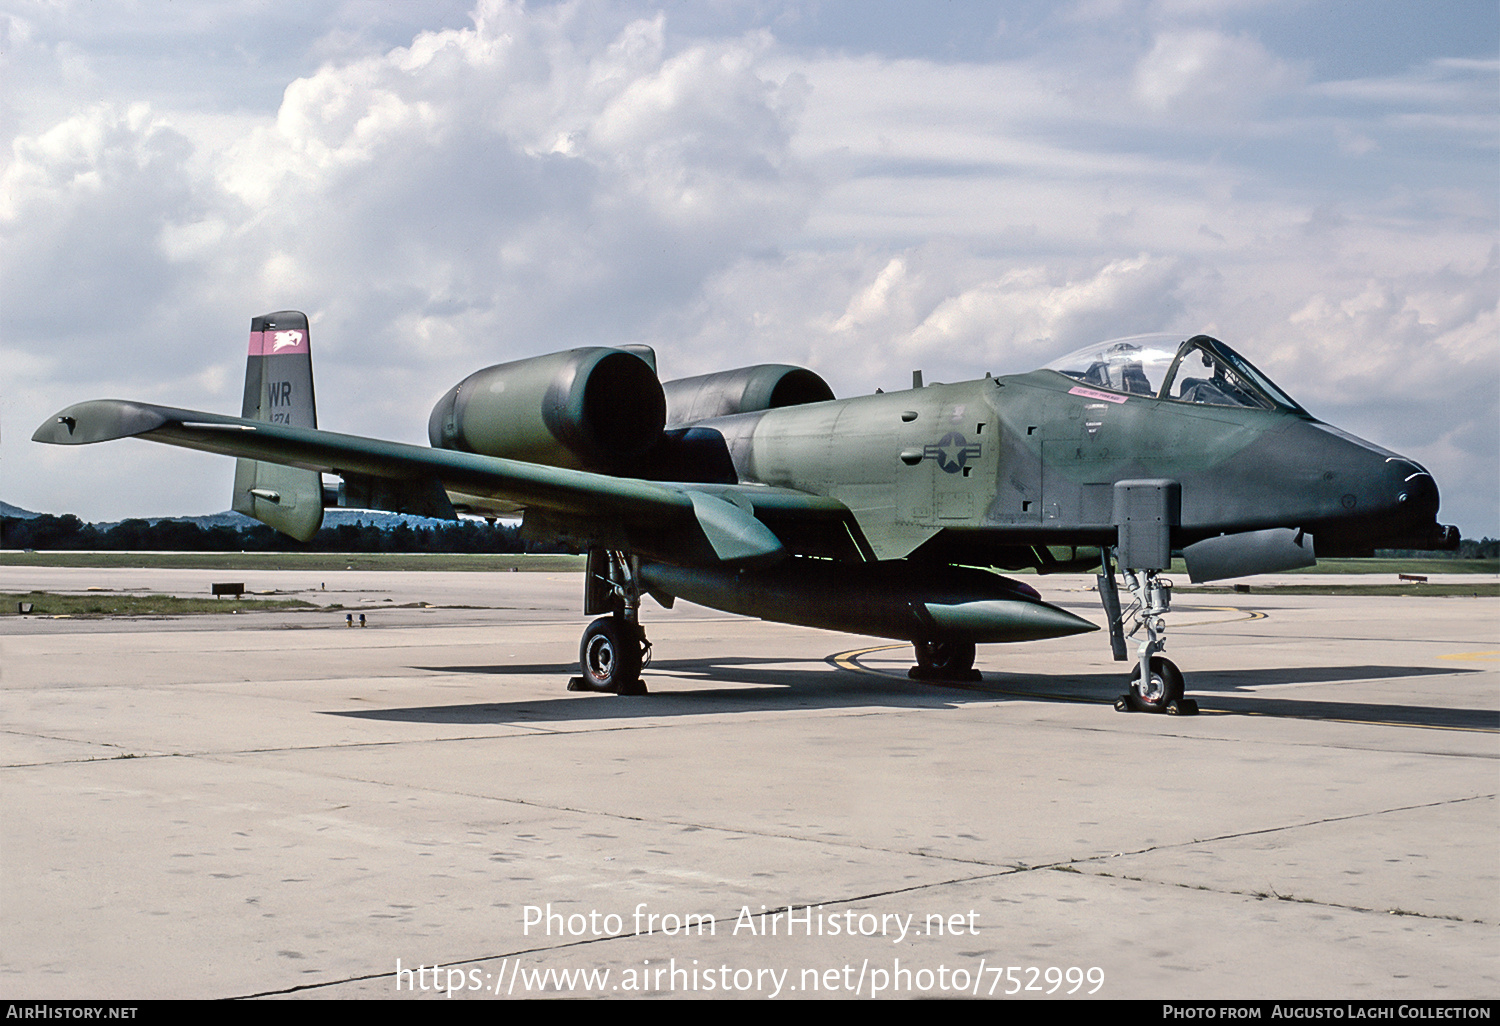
point(1416, 508)
point(1418, 495)
point(1364, 478)
point(1389, 500)
point(1403, 489)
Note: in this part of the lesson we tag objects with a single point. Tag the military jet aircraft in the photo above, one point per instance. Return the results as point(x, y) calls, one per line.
point(757, 492)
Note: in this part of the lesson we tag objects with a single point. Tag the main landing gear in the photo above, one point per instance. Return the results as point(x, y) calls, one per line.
point(611, 654)
point(1156, 685)
point(944, 660)
point(614, 648)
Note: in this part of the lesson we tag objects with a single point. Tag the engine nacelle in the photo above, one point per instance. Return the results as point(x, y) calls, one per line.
point(766, 386)
point(586, 409)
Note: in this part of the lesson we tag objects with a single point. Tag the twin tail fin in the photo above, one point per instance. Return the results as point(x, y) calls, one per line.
point(279, 390)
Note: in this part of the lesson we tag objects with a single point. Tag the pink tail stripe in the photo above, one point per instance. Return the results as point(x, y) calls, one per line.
point(278, 342)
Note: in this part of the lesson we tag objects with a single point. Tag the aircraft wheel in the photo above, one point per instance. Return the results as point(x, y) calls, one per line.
point(1163, 689)
point(610, 654)
point(946, 660)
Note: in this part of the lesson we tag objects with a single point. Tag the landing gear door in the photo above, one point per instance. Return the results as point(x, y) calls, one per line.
point(1145, 513)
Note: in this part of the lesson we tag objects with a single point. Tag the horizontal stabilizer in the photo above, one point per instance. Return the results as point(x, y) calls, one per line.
point(418, 497)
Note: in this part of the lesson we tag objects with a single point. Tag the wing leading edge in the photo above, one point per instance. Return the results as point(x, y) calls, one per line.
point(587, 506)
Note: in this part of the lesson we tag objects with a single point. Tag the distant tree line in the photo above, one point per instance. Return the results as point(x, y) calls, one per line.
point(1468, 548)
point(1484, 548)
point(68, 532)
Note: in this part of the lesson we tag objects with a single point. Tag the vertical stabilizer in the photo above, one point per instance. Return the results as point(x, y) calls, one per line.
point(279, 389)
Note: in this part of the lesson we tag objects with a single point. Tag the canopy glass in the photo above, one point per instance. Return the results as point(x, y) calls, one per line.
point(1198, 370)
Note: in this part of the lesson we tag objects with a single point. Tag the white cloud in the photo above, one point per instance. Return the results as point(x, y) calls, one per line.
point(1032, 310)
point(414, 202)
point(1408, 338)
point(1440, 83)
point(1203, 74)
point(568, 174)
point(82, 225)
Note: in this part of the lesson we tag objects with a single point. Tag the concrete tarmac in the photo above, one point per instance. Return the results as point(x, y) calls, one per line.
point(271, 804)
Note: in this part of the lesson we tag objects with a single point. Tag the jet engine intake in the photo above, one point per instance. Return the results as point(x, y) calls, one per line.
point(586, 409)
point(766, 386)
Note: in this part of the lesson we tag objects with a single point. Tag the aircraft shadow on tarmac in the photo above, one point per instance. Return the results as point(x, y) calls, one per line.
point(755, 685)
point(763, 685)
point(1234, 691)
point(1222, 685)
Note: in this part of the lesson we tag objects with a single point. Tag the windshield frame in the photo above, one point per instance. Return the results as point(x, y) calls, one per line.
point(1241, 385)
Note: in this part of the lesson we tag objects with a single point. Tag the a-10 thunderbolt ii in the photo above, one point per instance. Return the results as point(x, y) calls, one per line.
point(757, 492)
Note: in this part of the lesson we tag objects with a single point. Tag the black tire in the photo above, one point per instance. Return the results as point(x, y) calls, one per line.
point(1164, 687)
point(945, 660)
point(610, 656)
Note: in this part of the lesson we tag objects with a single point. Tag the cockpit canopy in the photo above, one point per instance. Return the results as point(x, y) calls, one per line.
point(1199, 370)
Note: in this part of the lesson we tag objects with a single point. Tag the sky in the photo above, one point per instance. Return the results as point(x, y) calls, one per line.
point(865, 188)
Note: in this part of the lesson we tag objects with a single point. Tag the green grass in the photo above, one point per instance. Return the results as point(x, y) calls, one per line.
point(1477, 589)
point(482, 561)
point(45, 603)
point(1402, 566)
point(558, 563)
point(1385, 566)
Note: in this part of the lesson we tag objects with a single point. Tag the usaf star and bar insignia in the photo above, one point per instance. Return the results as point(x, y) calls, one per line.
point(953, 452)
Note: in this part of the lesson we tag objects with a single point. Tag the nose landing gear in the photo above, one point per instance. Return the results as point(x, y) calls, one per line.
point(1160, 692)
point(1156, 685)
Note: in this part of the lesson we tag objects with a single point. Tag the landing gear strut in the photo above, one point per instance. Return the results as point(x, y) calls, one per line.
point(1156, 685)
point(614, 648)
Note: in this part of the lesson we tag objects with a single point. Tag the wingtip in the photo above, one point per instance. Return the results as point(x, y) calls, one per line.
point(99, 420)
point(57, 430)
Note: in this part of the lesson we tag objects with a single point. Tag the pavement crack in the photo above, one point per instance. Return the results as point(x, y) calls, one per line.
point(1235, 835)
point(1271, 895)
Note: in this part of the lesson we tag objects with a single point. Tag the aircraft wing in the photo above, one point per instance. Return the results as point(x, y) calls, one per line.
point(729, 529)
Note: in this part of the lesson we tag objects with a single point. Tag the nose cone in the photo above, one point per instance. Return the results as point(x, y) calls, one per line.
point(1384, 500)
point(1418, 495)
point(1416, 511)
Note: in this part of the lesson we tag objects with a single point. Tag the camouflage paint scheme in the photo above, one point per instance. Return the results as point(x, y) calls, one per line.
point(756, 491)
